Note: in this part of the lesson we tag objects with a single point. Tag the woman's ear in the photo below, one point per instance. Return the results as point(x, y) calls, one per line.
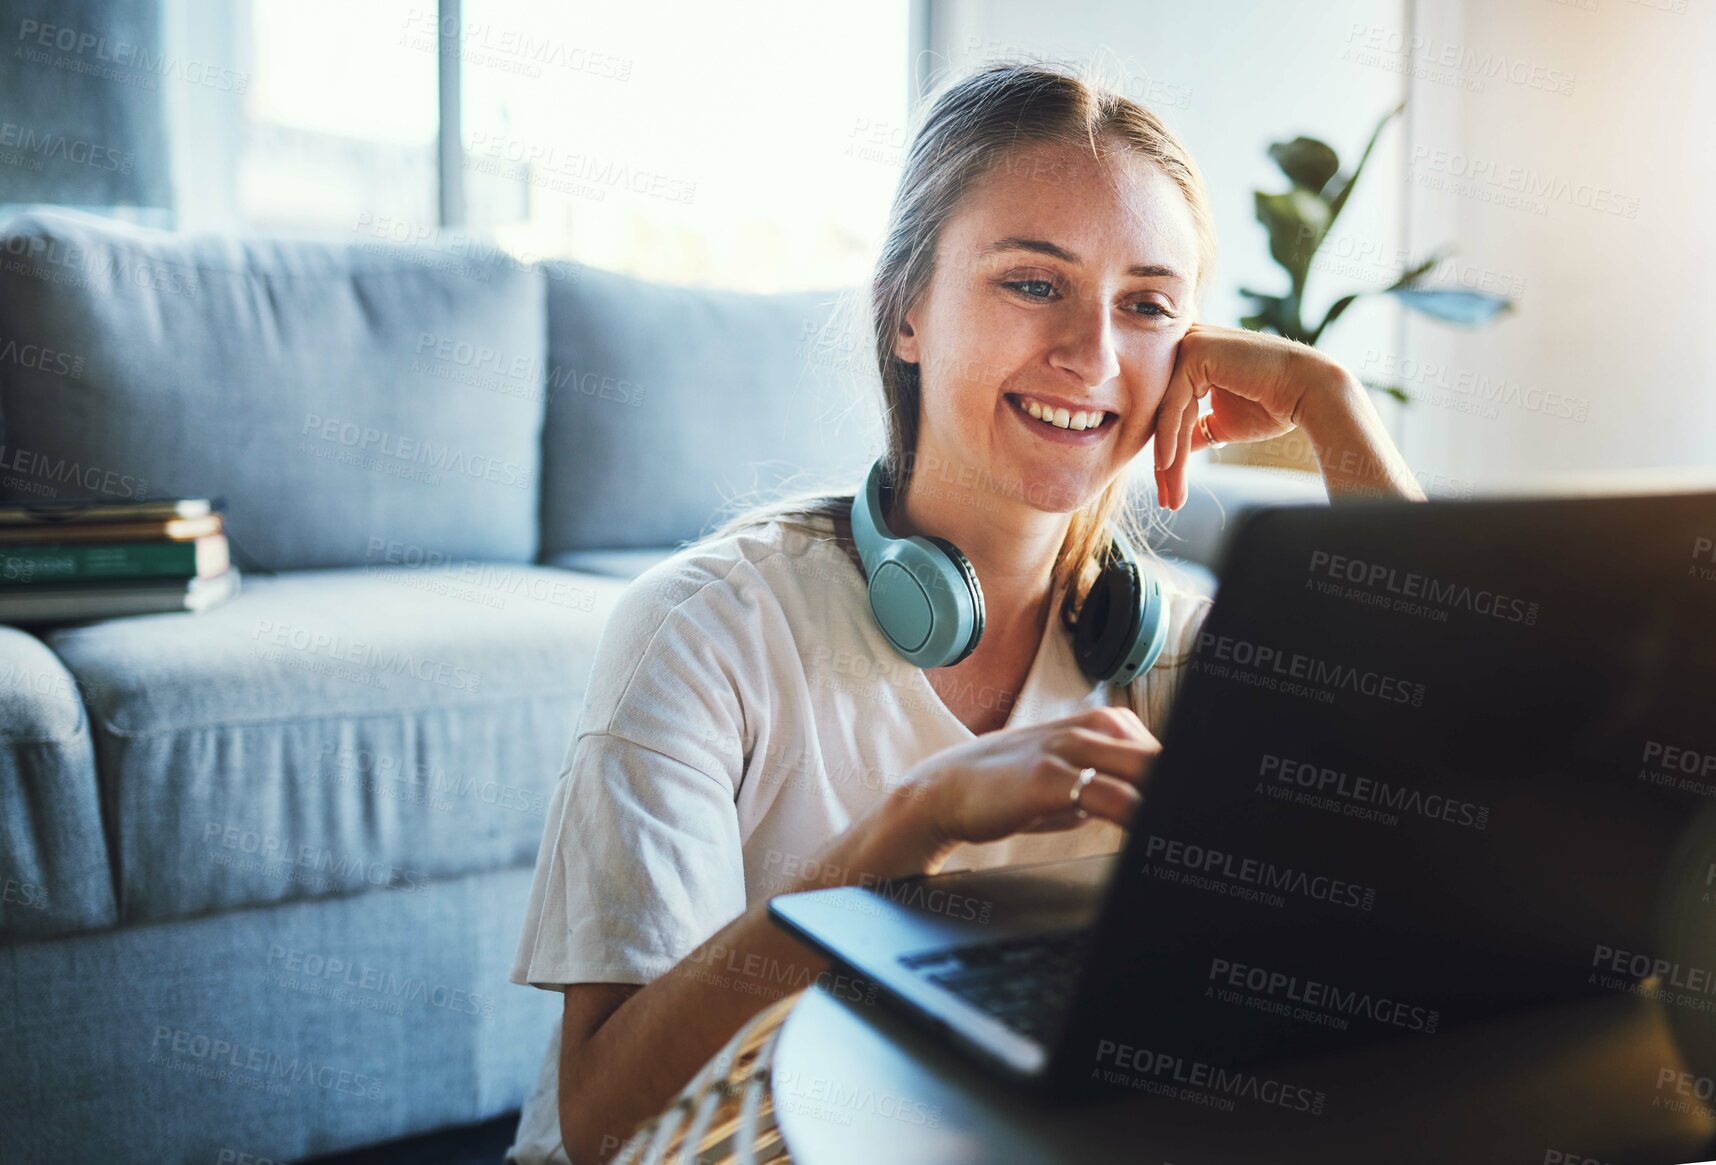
point(906, 346)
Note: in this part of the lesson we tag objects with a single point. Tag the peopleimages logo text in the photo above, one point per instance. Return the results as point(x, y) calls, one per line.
point(57, 147)
point(1638, 965)
point(1211, 862)
point(1166, 1067)
point(264, 1062)
point(1311, 993)
point(414, 450)
point(903, 892)
point(1412, 585)
point(1294, 665)
point(1370, 791)
point(43, 468)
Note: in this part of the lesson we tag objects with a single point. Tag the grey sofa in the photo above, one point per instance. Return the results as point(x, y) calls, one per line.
point(263, 868)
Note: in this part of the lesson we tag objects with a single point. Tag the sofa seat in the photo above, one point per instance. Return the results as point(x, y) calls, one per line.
point(54, 874)
point(326, 732)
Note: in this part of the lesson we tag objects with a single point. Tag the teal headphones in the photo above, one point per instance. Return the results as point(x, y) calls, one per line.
point(927, 601)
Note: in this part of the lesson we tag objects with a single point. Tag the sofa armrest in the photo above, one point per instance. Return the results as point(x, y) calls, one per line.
point(55, 876)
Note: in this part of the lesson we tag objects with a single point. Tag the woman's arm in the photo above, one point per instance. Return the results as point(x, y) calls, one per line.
point(1354, 450)
point(625, 1050)
point(1259, 387)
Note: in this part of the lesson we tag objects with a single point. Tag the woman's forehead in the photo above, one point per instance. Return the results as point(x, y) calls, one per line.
point(1120, 210)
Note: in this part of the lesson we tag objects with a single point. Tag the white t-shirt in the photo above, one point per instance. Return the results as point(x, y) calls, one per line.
point(743, 709)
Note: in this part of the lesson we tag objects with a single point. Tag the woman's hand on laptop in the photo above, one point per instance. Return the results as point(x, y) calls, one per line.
point(1020, 780)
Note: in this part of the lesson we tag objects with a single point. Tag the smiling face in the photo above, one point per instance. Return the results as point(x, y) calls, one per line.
point(1061, 282)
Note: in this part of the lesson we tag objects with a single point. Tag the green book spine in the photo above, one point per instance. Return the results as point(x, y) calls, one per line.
point(33, 565)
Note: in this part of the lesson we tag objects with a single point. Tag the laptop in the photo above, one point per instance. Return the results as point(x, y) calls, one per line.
point(1430, 764)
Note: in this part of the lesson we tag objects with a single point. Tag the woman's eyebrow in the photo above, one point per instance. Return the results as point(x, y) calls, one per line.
point(1044, 247)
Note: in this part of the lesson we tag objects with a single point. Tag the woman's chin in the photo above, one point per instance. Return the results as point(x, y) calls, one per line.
point(1056, 490)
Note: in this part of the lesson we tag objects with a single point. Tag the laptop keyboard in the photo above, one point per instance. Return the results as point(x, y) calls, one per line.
point(1026, 983)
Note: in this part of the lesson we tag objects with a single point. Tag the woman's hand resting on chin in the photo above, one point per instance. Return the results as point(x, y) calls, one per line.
point(1019, 780)
point(1259, 387)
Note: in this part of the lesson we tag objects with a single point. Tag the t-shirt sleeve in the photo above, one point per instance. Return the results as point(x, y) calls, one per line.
point(640, 863)
point(641, 855)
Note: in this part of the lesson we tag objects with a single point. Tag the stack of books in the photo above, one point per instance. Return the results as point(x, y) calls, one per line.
point(66, 561)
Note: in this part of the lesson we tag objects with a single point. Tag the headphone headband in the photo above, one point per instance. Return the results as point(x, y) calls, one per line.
point(869, 519)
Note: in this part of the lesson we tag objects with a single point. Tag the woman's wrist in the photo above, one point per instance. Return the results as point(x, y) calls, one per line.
point(1332, 398)
point(903, 836)
point(1351, 442)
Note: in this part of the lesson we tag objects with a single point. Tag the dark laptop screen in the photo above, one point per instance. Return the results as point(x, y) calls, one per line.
point(1431, 762)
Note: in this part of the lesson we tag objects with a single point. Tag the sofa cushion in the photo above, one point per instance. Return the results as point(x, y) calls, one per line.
point(54, 872)
point(332, 393)
point(332, 731)
point(666, 404)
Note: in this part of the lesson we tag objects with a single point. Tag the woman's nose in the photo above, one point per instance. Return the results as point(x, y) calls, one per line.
point(1084, 345)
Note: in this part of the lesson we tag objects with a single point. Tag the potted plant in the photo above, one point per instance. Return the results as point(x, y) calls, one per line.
point(1298, 221)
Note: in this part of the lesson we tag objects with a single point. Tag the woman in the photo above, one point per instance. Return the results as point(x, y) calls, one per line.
point(748, 730)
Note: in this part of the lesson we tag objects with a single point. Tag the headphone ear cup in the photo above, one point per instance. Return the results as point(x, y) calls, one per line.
point(923, 592)
point(1107, 623)
point(973, 594)
point(1123, 626)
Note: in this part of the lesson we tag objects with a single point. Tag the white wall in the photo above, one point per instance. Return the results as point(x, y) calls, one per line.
point(1617, 311)
point(1230, 77)
point(1614, 242)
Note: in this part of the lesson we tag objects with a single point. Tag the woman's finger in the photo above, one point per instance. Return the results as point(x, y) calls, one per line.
point(1169, 414)
point(1111, 719)
point(1104, 797)
point(1198, 441)
point(1110, 799)
point(1179, 491)
point(1124, 758)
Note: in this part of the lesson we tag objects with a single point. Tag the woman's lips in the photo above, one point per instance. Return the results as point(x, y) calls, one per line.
point(1017, 405)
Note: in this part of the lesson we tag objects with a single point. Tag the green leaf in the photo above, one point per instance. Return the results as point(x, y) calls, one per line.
point(1336, 310)
point(1296, 221)
point(1307, 162)
point(1346, 186)
point(1418, 270)
point(1468, 309)
point(1277, 312)
point(1393, 390)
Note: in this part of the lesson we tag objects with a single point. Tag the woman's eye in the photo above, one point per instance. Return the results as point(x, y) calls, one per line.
point(1155, 310)
point(1043, 290)
point(1033, 288)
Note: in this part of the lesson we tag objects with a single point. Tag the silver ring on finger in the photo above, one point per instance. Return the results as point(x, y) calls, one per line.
point(1085, 777)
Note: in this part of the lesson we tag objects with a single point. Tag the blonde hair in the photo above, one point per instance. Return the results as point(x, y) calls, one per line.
point(975, 124)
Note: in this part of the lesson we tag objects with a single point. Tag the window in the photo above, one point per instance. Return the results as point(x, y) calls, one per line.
point(340, 115)
point(753, 147)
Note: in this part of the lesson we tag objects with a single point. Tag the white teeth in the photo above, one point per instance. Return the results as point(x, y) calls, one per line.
point(1062, 418)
